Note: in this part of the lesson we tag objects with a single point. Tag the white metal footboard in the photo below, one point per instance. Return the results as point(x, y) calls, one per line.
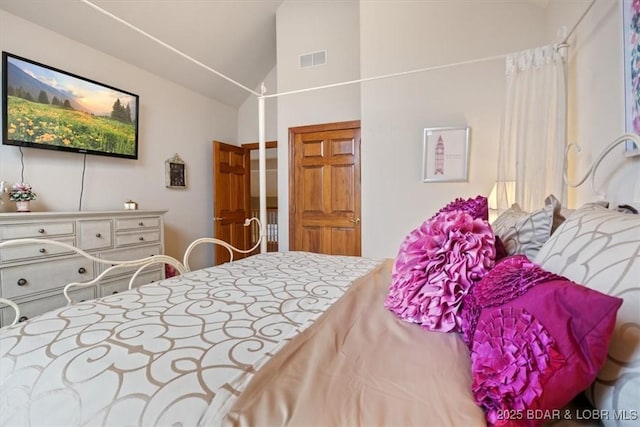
point(141, 264)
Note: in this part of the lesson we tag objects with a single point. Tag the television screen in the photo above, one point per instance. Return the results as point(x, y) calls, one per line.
point(43, 107)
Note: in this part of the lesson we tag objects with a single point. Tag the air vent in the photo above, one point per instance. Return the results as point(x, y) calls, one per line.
point(313, 59)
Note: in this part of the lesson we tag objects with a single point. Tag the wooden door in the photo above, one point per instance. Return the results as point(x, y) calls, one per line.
point(231, 171)
point(324, 177)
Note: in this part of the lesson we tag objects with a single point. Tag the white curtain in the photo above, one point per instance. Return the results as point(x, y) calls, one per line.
point(533, 135)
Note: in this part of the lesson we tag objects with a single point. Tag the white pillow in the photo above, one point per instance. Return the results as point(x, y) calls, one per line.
point(600, 248)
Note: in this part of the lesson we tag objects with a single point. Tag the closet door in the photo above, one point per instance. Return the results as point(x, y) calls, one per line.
point(325, 189)
point(231, 170)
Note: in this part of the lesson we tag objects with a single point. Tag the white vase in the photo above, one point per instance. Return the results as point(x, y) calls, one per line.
point(23, 206)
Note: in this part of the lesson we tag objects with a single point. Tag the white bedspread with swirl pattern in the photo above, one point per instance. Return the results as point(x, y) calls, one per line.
point(172, 353)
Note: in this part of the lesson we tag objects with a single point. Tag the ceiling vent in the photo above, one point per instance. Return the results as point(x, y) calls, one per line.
point(313, 59)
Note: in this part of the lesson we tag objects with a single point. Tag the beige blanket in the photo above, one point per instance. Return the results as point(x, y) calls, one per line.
point(358, 365)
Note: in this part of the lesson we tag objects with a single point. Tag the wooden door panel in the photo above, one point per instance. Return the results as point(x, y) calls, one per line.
point(237, 197)
point(236, 160)
point(342, 147)
point(312, 148)
point(312, 190)
point(223, 193)
point(343, 177)
point(341, 239)
point(311, 239)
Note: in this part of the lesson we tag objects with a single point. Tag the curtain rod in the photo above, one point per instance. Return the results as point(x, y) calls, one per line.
point(402, 73)
point(173, 49)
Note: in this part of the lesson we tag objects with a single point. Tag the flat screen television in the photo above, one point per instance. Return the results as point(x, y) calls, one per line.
point(44, 107)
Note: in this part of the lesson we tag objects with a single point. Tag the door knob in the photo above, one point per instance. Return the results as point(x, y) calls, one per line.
point(217, 218)
point(355, 220)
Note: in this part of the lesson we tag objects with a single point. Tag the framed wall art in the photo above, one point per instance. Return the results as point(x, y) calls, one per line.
point(445, 154)
point(175, 173)
point(631, 48)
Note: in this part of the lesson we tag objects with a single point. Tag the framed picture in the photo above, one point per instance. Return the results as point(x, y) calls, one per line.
point(175, 169)
point(445, 154)
point(631, 48)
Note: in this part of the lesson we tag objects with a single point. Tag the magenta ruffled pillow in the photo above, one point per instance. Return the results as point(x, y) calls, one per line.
point(536, 340)
point(436, 265)
point(477, 207)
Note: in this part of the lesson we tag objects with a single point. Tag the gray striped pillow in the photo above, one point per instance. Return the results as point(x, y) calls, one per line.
point(525, 233)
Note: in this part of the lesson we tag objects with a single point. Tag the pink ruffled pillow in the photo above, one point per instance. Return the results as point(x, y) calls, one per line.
point(435, 267)
point(536, 340)
point(477, 207)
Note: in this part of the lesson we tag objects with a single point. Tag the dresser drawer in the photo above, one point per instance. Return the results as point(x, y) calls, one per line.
point(34, 250)
point(36, 307)
point(137, 223)
point(137, 238)
point(121, 285)
point(95, 235)
point(23, 280)
point(129, 255)
point(37, 229)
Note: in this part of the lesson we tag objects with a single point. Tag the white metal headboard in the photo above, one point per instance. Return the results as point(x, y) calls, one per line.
point(591, 172)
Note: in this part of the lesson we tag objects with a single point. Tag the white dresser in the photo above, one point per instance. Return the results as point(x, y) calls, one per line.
point(34, 275)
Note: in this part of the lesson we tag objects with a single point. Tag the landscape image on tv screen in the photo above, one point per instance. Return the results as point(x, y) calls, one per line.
point(45, 107)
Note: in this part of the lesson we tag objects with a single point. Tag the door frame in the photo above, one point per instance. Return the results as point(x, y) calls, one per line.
point(250, 146)
point(293, 131)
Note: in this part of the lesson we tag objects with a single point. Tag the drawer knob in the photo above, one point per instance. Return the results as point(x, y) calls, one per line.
point(98, 235)
point(22, 282)
point(141, 224)
point(141, 238)
point(42, 250)
point(41, 231)
point(23, 319)
point(82, 270)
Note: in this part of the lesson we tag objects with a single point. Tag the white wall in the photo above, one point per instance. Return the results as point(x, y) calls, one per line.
point(596, 100)
point(172, 120)
point(305, 27)
point(400, 36)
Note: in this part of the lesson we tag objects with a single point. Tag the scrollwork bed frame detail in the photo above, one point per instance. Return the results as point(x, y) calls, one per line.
point(113, 265)
point(14, 306)
point(230, 248)
point(594, 166)
point(141, 264)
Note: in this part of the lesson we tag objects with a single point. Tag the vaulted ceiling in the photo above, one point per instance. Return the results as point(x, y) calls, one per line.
point(234, 37)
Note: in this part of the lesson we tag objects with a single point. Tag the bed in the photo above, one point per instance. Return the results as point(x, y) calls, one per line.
point(181, 351)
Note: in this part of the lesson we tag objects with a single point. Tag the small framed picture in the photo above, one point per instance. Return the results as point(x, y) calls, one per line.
point(631, 48)
point(445, 154)
point(175, 173)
